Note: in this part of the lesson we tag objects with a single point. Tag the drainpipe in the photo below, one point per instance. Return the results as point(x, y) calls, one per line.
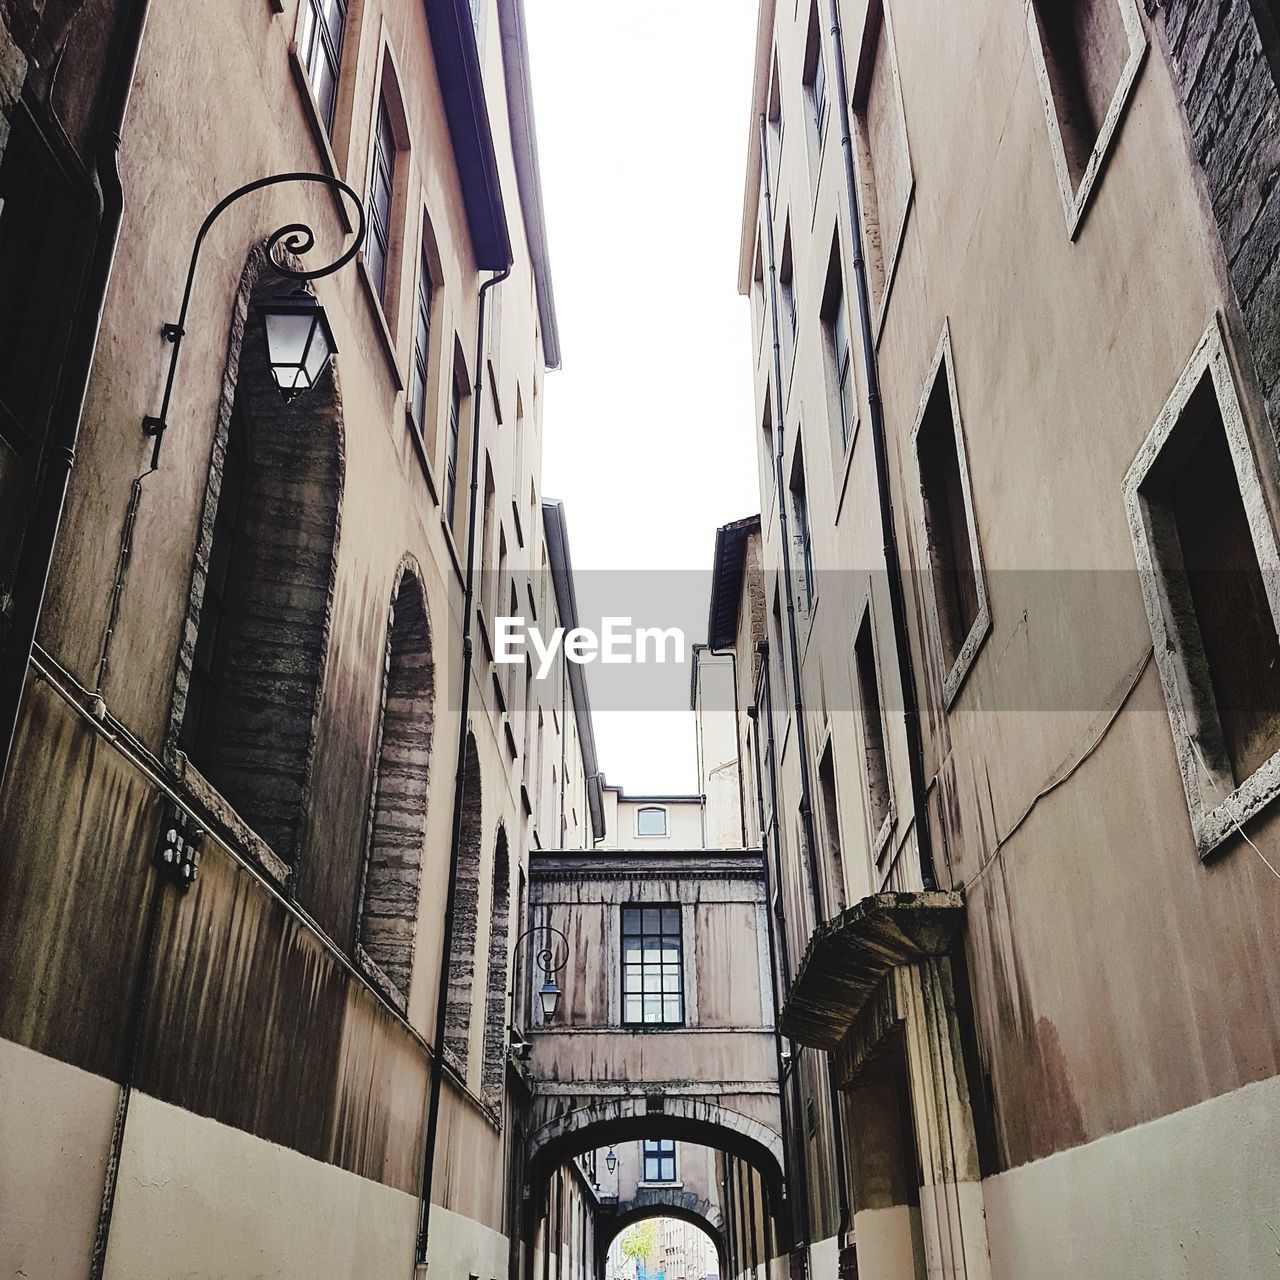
point(806, 800)
point(888, 532)
point(754, 716)
point(459, 790)
point(32, 577)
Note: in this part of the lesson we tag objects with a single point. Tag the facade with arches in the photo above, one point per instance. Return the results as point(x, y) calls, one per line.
point(262, 644)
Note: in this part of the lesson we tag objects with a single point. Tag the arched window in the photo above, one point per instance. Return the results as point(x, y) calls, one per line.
point(397, 825)
point(249, 676)
point(462, 945)
point(495, 1009)
point(651, 821)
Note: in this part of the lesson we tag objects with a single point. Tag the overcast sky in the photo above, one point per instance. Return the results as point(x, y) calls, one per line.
point(642, 117)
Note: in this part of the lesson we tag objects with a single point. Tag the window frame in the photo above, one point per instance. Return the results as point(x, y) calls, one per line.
point(424, 296)
point(666, 1152)
point(640, 908)
point(1211, 824)
point(381, 164)
point(882, 250)
point(452, 452)
point(1076, 197)
point(315, 38)
point(980, 628)
point(664, 834)
point(865, 617)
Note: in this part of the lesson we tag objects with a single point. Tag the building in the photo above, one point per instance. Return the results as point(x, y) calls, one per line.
point(1005, 630)
point(267, 645)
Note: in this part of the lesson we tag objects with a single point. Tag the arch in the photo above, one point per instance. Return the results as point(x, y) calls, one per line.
point(392, 876)
point(495, 1006)
point(462, 945)
point(665, 1203)
point(689, 1119)
point(251, 664)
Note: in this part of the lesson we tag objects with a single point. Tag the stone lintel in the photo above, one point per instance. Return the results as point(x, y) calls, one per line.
point(849, 955)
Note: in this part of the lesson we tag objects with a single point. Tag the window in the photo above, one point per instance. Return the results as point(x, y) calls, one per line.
point(660, 1160)
point(320, 50)
point(44, 230)
point(377, 244)
point(787, 306)
point(768, 468)
point(652, 966)
point(815, 83)
point(651, 821)
point(775, 124)
point(421, 345)
point(874, 757)
point(884, 160)
point(1087, 54)
point(961, 616)
point(397, 826)
point(1207, 554)
point(802, 569)
point(839, 345)
point(833, 879)
point(451, 454)
point(217, 613)
point(247, 694)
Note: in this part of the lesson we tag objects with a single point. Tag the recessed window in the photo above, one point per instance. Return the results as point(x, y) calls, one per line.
point(377, 244)
point(815, 84)
point(774, 128)
point(652, 966)
point(660, 1160)
point(874, 757)
point(651, 821)
point(839, 356)
point(1207, 552)
point(884, 160)
point(324, 24)
point(950, 533)
point(219, 608)
point(421, 344)
point(1087, 55)
point(768, 469)
point(787, 317)
point(832, 893)
point(802, 555)
point(452, 446)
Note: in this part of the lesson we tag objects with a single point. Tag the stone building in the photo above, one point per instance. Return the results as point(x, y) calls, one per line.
point(1005, 630)
point(273, 648)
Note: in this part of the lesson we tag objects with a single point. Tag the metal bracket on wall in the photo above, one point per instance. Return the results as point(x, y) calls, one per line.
point(178, 848)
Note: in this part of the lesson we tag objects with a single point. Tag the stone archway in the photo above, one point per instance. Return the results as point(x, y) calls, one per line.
point(689, 1119)
point(662, 1202)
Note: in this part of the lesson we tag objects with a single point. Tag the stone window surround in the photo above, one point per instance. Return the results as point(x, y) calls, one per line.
point(880, 840)
point(1076, 198)
point(890, 247)
point(1211, 824)
point(278, 871)
point(981, 628)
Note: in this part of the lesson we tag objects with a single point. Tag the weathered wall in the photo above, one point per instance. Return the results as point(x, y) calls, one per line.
point(1065, 340)
point(1225, 60)
point(261, 1029)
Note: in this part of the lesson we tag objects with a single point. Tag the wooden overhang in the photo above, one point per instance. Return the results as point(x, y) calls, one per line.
point(849, 955)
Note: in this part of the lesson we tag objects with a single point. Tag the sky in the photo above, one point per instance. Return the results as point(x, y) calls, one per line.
point(643, 115)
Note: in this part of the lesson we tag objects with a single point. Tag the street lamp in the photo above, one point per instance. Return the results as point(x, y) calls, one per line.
point(549, 992)
point(299, 339)
point(611, 1160)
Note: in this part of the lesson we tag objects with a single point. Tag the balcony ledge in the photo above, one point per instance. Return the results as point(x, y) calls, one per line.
point(848, 956)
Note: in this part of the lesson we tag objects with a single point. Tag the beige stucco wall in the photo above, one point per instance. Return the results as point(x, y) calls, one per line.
point(1064, 352)
point(56, 1124)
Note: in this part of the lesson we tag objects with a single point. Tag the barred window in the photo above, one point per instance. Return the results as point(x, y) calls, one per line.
point(652, 966)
